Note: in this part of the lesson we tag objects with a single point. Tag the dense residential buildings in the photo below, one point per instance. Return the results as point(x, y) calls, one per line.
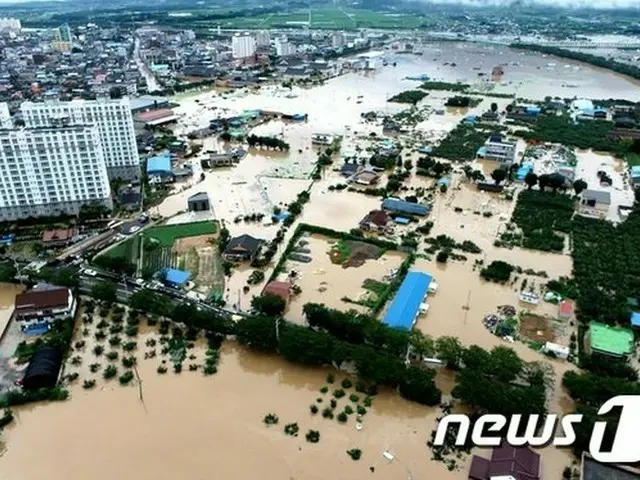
point(243, 46)
point(112, 120)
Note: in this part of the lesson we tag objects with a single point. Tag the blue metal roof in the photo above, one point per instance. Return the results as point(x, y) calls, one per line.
point(401, 220)
point(400, 206)
point(635, 171)
point(177, 277)
point(406, 303)
point(635, 319)
point(160, 163)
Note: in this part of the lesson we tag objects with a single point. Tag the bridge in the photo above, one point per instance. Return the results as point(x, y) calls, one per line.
point(585, 44)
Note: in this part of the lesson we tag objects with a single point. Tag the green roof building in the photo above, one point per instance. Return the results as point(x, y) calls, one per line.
point(608, 340)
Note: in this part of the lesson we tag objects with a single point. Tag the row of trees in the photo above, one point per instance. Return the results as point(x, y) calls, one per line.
point(269, 142)
point(598, 61)
point(555, 181)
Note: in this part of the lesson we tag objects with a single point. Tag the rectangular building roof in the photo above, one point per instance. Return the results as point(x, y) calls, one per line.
point(42, 299)
point(177, 277)
point(612, 340)
point(159, 163)
point(397, 205)
point(406, 304)
point(635, 319)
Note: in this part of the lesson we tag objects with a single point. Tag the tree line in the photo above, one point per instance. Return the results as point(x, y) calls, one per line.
point(596, 60)
point(269, 142)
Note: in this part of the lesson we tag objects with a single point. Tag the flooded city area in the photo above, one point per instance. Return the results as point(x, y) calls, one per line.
point(334, 194)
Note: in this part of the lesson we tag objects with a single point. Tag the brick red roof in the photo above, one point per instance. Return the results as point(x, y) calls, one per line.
point(520, 462)
point(566, 307)
point(59, 235)
point(281, 289)
point(34, 300)
point(377, 217)
point(154, 115)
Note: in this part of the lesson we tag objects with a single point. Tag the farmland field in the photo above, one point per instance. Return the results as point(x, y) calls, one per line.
point(321, 16)
point(168, 234)
point(161, 250)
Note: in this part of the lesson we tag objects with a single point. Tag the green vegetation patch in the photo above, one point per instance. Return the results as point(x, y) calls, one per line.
point(168, 234)
point(462, 143)
point(561, 129)
point(540, 215)
point(451, 87)
point(409, 96)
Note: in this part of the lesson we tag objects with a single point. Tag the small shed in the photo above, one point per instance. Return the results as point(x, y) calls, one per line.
point(635, 319)
point(279, 289)
point(560, 351)
point(43, 369)
point(566, 309)
point(176, 278)
point(199, 202)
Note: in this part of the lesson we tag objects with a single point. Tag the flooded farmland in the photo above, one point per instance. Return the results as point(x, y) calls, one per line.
point(211, 427)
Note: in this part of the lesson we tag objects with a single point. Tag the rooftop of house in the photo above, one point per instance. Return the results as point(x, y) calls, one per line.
point(594, 470)
point(597, 196)
point(243, 242)
point(59, 235)
point(377, 217)
point(280, 289)
point(159, 163)
point(198, 197)
point(520, 463)
point(177, 277)
point(613, 340)
point(42, 299)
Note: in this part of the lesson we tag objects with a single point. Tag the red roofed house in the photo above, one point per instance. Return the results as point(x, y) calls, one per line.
point(566, 309)
point(507, 463)
point(280, 289)
point(376, 221)
point(58, 238)
point(155, 117)
point(45, 303)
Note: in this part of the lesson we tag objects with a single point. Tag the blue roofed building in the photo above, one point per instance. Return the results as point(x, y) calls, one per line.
point(634, 174)
point(635, 319)
point(405, 307)
point(396, 205)
point(176, 278)
point(159, 168)
point(523, 171)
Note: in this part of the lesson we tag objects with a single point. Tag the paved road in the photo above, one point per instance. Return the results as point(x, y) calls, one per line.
point(127, 287)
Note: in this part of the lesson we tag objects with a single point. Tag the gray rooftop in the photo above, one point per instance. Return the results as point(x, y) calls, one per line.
point(198, 197)
point(598, 196)
point(593, 470)
point(143, 102)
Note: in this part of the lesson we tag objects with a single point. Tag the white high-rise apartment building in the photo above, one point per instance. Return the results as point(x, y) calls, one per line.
point(7, 23)
point(243, 46)
point(111, 117)
point(263, 38)
point(338, 39)
point(284, 48)
point(48, 171)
